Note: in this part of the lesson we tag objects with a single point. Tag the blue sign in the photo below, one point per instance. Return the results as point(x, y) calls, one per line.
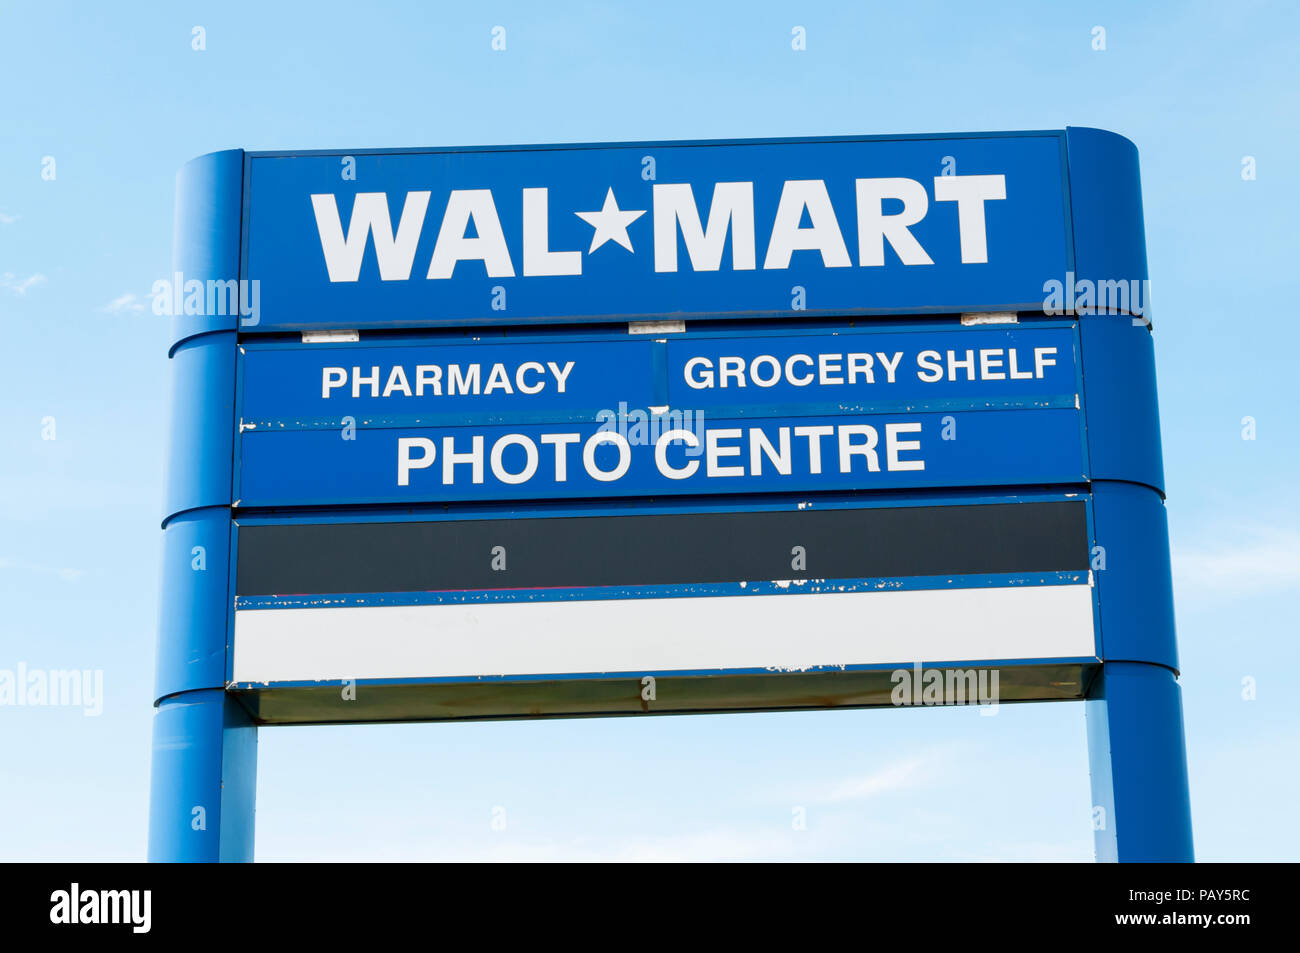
point(663, 427)
point(417, 382)
point(681, 414)
point(523, 235)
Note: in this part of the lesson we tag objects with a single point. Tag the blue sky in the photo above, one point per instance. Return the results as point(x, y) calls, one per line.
point(120, 100)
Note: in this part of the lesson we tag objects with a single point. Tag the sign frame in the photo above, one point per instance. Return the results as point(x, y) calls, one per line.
point(204, 750)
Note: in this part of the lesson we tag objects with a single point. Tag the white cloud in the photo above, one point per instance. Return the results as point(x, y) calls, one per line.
point(8, 219)
point(19, 286)
point(123, 304)
point(1249, 560)
point(899, 776)
point(905, 774)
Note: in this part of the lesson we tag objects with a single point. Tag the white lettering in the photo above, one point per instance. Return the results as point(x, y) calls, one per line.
point(453, 246)
point(405, 463)
point(733, 205)
point(970, 192)
point(343, 257)
point(823, 235)
point(874, 226)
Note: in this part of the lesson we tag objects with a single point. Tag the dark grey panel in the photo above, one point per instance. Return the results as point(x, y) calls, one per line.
point(661, 549)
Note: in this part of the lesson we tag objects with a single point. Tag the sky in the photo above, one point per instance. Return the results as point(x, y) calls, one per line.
point(119, 98)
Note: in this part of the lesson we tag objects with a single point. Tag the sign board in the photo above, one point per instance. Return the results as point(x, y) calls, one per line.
point(710, 231)
point(564, 595)
point(618, 415)
point(663, 427)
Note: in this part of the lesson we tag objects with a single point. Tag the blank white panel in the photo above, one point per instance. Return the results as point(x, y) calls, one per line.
point(660, 635)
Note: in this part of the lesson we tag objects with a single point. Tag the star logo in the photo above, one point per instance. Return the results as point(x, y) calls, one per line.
point(610, 223)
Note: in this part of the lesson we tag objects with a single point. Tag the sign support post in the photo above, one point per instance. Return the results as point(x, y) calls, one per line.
point(204, 779)
point(1136, 749)
point(1141, 806)
point(204, 772)
point(1133, 708)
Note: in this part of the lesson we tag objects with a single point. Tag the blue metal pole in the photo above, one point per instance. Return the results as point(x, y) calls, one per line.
point(204, 772)
point(1141, 803)
point(204, 779)
point(1136, 748)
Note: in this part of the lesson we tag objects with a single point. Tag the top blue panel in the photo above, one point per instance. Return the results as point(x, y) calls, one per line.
point(562, 234)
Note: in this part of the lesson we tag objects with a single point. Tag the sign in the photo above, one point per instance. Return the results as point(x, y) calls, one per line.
point(421, 505)
point(615, 416)
point(560, 596)
point(670, 594)
point(663, 428)
point(525, 235)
